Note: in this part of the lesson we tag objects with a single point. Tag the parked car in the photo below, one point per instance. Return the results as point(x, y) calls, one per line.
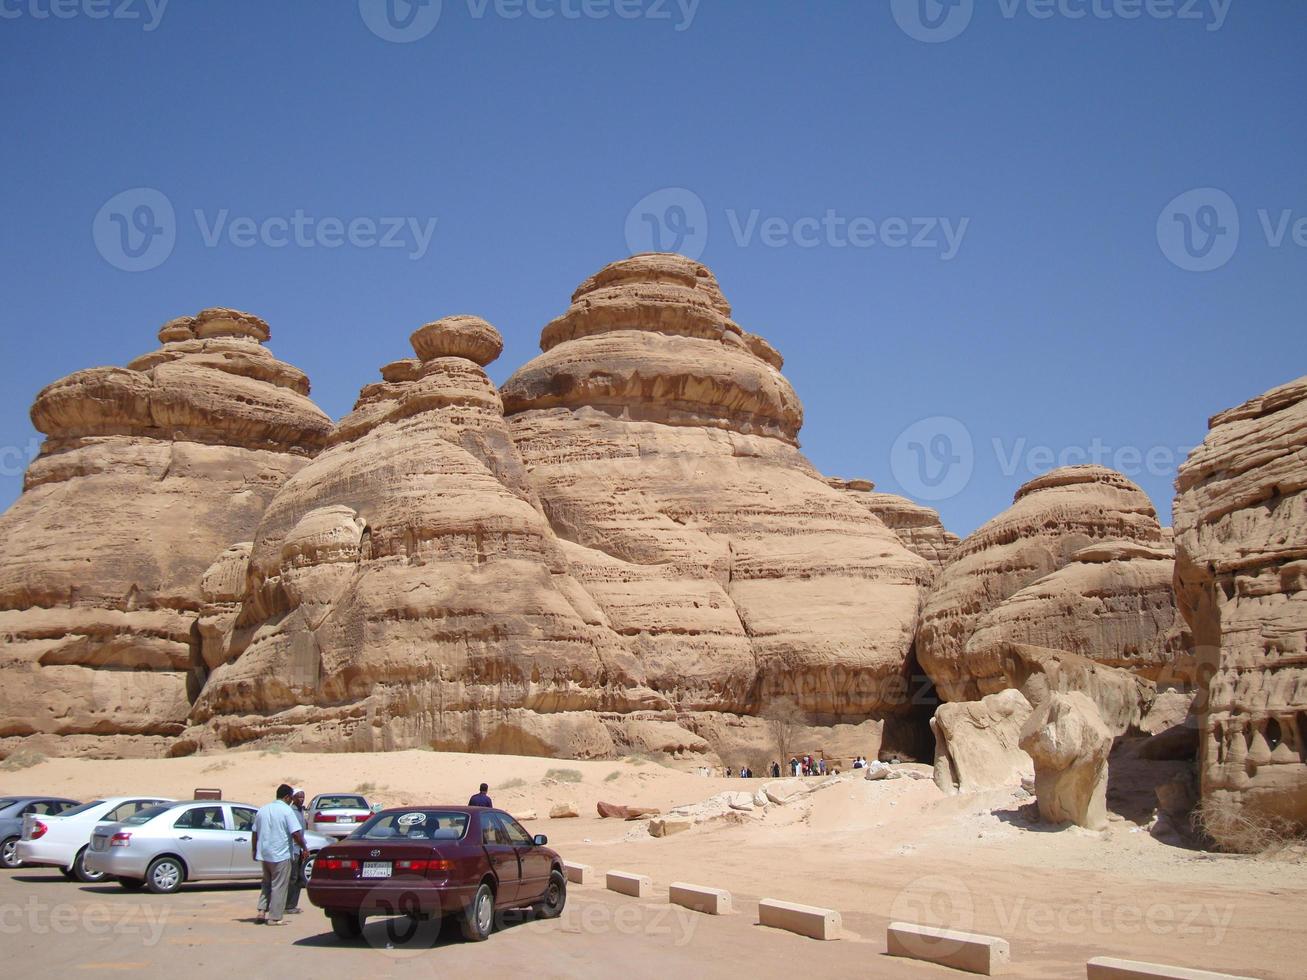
point(434, 861)
point(338, 814)
point(12, 811)
point(60, 841)
point(196, 840)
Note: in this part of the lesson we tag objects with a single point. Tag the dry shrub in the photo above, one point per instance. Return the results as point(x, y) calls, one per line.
point(1241, 829)
point(564, 775)
point(514, 783)
point(22, 759)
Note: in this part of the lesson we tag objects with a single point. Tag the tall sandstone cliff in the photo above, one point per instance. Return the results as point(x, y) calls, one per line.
point(147, 473)
point(1241, 582)
point(624, 550)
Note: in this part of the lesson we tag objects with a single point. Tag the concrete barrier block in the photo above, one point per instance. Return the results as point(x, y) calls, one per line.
point(959, 950)
point(1110, 968)
point(578, 874)
point(713, 901)
point(625, 883)
point(806, 920)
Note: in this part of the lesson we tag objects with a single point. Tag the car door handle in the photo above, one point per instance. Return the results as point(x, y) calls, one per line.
point(184, 837)
point(241, 840)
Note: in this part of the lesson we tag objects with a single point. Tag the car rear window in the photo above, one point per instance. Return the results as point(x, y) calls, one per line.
point(146, 815)
point(414, 825)
point(81, 809)
point(341, 803)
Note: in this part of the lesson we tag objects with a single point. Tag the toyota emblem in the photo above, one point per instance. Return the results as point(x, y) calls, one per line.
point(376, 853)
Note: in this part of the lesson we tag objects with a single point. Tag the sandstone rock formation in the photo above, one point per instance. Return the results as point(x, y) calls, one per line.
point(1123, 700)
point(405, 588)
point(661, 439)
point(627, 552)
point(916, 525)
point(1241, 582)
point(1069, 745)
point(977, 743)
point(147, 473)
point(1010, 582)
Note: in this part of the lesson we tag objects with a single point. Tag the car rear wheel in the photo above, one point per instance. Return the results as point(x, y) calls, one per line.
point(132, 884)
point(346, 925)
point(9, 854)
point(68, 873)
point(82, 872)
point(165, 875)
point(551, 906)
point(306, 872)
point(479, 917)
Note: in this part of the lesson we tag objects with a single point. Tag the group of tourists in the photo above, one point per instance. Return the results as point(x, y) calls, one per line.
point(278, 845)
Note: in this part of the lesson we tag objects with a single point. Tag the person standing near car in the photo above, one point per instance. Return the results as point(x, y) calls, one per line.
point(277, 843)
point(481, 798)
point(297, 871)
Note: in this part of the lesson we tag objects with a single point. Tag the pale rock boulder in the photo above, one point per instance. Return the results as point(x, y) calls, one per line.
point(1122, 698)
point(977, 743)
point(1241, 581)
point(917, 526)
point(1053, 518)
point(1069, 744)
point(661, 440)
point(147, 474)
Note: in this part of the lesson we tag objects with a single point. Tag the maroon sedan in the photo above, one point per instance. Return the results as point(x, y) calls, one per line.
point(431, 861)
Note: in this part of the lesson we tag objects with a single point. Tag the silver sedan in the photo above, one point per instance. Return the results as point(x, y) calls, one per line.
point(338, 814)
point(196, 840)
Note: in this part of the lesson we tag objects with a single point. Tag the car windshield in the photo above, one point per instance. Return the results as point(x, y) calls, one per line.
point(414, 825)
point(341, 803)
point(146, 815)
point(81, 809)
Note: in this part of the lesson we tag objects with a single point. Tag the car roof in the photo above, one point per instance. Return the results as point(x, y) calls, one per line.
point(11, 800)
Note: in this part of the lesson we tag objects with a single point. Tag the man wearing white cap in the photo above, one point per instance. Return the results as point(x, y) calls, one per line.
point(297, 872)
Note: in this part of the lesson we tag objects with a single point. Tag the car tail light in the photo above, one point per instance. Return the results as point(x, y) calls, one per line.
point(336, 864)
point(38, 830)
point(325, 818)
point(422, 865)
point(120, 839)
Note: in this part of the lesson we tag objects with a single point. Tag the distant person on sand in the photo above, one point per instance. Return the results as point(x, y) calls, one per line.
point(775, 770)
point(481, 799)
point(278, 844)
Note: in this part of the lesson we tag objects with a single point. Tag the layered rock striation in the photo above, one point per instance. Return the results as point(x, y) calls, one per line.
point(1078, 563)
point(1241, 583)
point(147, 473)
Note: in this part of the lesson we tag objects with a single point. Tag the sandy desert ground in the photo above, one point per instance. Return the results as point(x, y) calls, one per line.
point(875, 851)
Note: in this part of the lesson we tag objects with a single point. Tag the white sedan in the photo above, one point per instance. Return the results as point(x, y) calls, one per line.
point(61, 841)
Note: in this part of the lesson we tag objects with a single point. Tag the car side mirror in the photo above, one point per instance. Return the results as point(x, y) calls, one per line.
point(539, 840)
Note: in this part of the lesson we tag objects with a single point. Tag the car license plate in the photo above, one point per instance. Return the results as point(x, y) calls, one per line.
point(376, 869)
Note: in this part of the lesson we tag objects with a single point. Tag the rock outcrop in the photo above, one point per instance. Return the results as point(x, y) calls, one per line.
point(917, 526)
point(1241, 582)
point(147, 474)
point(1009, 582)
point(977, 743)
point(661, 439)
point(405, 589)
point(1069, 744)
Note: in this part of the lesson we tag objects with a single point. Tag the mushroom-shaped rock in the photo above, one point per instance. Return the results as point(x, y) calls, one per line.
point(458, 336)
point(1069, 744)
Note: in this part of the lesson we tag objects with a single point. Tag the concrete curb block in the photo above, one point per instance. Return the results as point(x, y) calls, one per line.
point(625, 883)
point(959, 950)
point(806, 920)
point(1110, 968)
point(711, 901)
point(578, 874)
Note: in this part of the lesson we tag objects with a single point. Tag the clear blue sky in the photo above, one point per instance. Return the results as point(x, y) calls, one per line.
point(1058, 320)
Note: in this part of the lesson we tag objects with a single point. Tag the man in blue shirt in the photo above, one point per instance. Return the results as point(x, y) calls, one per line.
point(481, 799)
point(278, 844)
